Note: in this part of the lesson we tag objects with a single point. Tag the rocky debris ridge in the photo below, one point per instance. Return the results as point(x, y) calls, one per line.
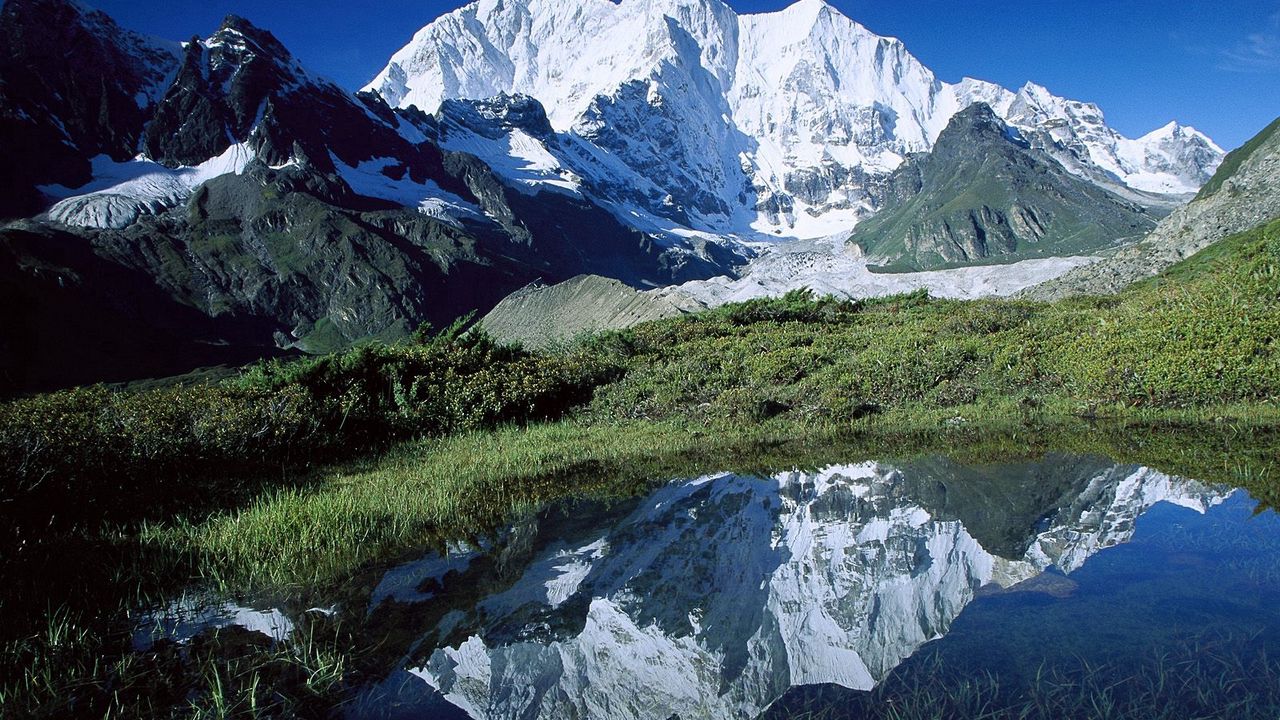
point(544, 316)
point(1244, 194)
point(541, 317)
point(983, 192)
point(757, 125)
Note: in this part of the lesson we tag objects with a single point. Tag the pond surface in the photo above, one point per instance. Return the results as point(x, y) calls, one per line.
point(859, 590)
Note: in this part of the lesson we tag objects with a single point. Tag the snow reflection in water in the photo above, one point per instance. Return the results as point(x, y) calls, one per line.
point(715, 597)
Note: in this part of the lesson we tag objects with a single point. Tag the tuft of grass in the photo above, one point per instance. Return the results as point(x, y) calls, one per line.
point(434, 491)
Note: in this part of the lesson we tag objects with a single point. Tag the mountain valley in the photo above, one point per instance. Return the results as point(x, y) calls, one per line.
point(635, 359)
point(708, 148)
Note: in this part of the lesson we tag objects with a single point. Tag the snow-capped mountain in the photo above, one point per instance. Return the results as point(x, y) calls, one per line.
point(716, 595)
point(73, 85)
point(683, 112)
point(221, 177)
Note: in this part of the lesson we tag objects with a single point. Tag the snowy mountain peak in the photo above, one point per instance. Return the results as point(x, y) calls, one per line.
point(782, 123)
point(240, 46)
point(806, 12)
point(1176, 131)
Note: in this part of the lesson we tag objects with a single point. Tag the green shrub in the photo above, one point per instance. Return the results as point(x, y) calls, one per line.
point(113, 449)
point(1203, 333)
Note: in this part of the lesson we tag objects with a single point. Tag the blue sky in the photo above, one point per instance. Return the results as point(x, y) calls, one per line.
point(1212, 64)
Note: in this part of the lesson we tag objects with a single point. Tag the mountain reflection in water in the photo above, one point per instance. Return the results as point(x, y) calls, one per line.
point(713, 597)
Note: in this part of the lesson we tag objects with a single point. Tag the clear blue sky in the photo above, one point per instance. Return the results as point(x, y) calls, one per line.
point(1214, 64)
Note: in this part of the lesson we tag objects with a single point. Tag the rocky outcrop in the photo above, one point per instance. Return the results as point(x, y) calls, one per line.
point(1244, 194)
point(984, 193)
point(74, 317)
point(289, 213)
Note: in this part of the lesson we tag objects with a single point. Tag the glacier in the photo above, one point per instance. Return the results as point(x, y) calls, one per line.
point(684, 115)
point(831, 266)
point(122, 192)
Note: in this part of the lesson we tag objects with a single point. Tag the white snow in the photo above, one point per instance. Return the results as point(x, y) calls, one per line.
point(716, 115)
point(829, 267)
point(403, 584)
point(1107, 519)
point(192, 615)
point(369, 178)
point(121, 193)
point(519, 158)
point(572, 570)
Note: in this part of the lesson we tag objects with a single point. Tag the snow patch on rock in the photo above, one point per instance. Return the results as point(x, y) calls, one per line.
point(121, 193)
point(388, 179)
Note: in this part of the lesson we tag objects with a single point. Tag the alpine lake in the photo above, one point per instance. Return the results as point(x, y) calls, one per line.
point(934, 584)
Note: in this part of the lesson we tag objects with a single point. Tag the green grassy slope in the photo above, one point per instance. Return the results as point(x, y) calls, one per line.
point(1235, 159)
point(135, 494)
point(1205, 332)
point(1202, 335)
point(981, 194)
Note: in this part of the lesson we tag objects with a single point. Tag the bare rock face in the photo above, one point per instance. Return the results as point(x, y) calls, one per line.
point(73, 85)
point(1243, 195)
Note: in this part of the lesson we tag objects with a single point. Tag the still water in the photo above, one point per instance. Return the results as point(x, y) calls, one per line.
point(1066, 587)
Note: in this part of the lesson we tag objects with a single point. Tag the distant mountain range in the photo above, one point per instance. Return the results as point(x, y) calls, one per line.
point(174, 205)
point(685, 115)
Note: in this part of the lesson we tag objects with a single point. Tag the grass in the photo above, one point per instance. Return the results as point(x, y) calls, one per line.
point(434, 491)
point(1205, 333)
point(1231, 164)
point(379, 511)
point(71, 668)
point(303, 473)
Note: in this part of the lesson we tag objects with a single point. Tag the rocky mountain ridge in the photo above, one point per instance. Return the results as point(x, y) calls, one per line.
point(292, 214)
point(1242, 195)
point(756, 125)
point(983, 192)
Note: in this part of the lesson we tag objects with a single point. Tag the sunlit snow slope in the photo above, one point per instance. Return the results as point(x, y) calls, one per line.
point(683, 113)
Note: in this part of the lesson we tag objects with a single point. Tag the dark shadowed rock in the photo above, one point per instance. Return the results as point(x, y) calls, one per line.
point(73, 85)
